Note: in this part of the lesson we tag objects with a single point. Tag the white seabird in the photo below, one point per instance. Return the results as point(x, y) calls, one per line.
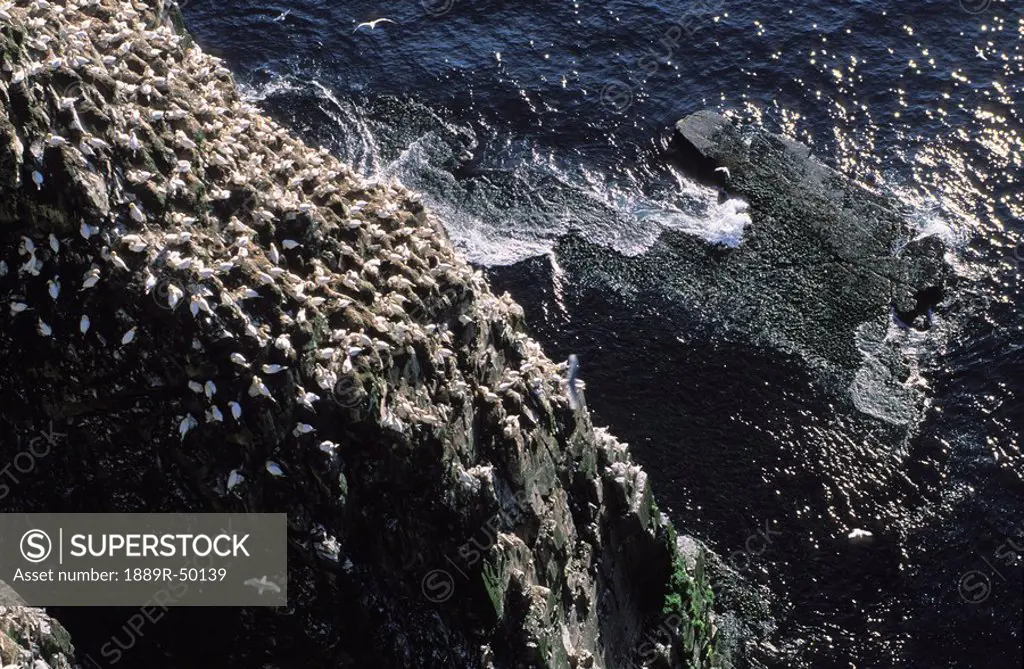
point(373, 24)
point(307, 399)
point(187, 423)
point(262, 584)
point(88, 231)
point(303, 428)
point(174, 295)
point(257, 387)
point(136, 213)
point(214, 415)
point(234, 478)
point(90, 278)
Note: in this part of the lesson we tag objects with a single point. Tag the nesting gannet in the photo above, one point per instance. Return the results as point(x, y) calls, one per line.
point(117, 262)
point(198, 303)
point(257, 387)
point(303, 428)
point(186, 424)
point(214, 415)
point(284, 343)
point(307, 399)
point(90, 278)
point(87, 230)
point(174, 295)
point(149, 282)
point(136, 213)
point(234, 479)
point(135, 243)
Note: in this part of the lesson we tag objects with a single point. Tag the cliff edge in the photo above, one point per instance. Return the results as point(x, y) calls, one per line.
point(208, 315)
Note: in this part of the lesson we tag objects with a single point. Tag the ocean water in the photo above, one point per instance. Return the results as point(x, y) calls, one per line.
point(529, 125)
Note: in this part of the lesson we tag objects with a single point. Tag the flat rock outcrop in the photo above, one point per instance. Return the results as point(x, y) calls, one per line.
point(828, 251)
point(208, 315)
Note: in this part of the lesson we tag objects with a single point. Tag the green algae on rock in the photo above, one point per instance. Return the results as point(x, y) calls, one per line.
point(30, 638)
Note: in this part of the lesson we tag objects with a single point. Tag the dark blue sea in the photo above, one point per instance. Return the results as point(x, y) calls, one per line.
point(525, 123)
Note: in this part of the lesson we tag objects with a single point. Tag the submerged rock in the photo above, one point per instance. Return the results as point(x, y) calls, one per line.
point(244, 324)
point(831, 253)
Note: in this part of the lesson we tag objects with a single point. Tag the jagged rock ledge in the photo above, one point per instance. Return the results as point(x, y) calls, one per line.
point(30, 638)
point(220, 318)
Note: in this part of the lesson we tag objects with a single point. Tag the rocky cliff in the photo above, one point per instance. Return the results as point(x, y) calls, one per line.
point(204, 314)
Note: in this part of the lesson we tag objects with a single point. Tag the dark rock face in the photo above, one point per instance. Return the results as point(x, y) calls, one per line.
point(822, 265)
point(211, 316)
point(812, 299)
point(832, 252)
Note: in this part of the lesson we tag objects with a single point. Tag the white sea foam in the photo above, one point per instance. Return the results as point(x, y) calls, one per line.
point(528, 199)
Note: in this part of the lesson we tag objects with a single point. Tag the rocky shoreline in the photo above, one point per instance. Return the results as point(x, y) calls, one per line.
point(217, 317)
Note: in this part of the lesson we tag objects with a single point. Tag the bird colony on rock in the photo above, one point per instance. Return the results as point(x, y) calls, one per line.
point(194, 199)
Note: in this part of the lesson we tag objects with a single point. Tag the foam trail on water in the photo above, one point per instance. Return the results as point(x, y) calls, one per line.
point(518, 204)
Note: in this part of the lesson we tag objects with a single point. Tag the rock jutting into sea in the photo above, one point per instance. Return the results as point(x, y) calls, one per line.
point(216, 317)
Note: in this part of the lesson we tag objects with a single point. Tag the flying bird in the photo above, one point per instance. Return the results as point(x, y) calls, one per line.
point(262, 584)
point(723, 170)
point(373, 24)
